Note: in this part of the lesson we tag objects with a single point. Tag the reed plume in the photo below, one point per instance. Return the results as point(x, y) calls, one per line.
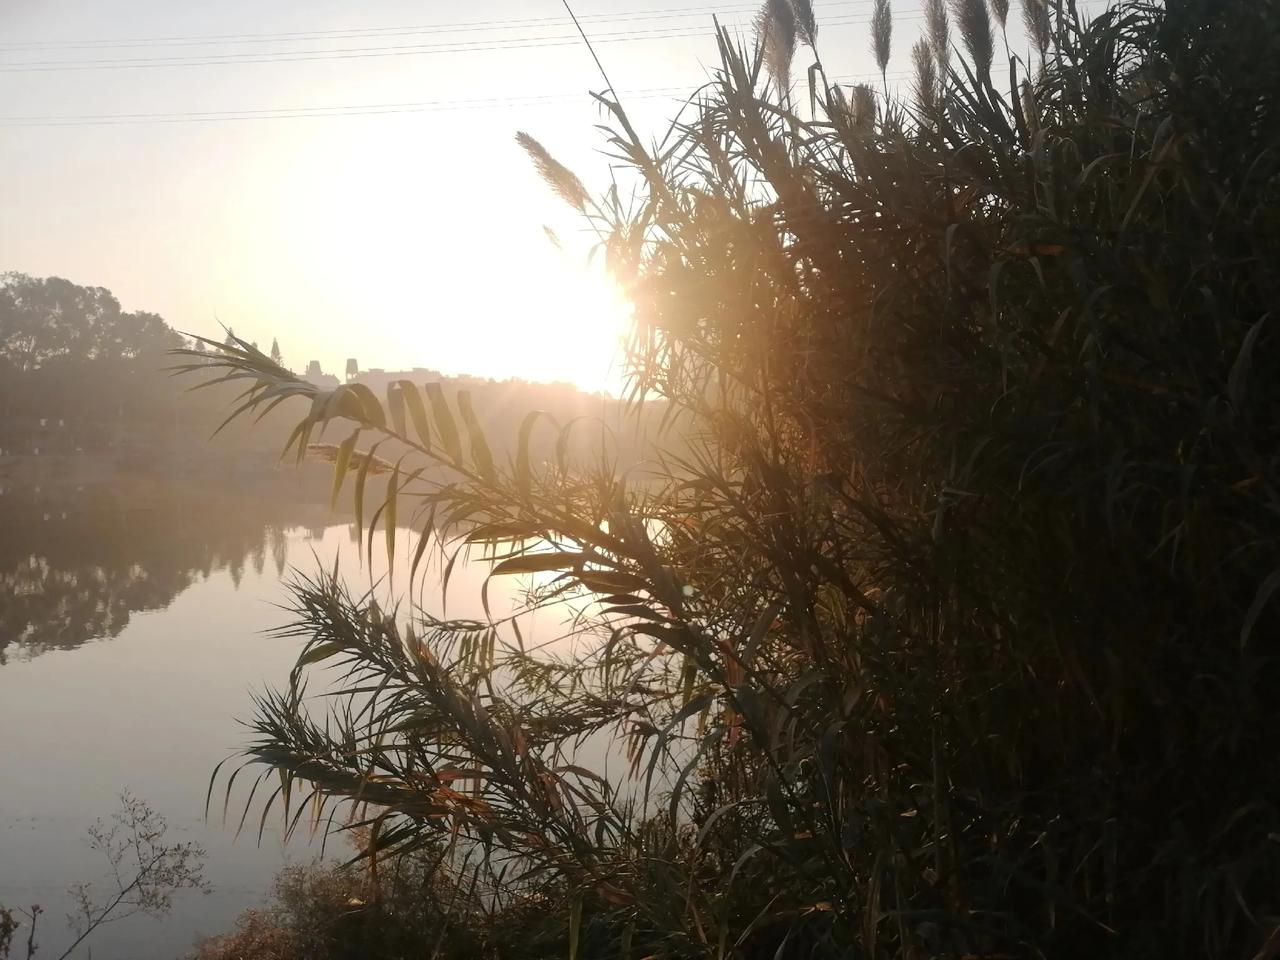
point(776, 33)
point(806, 21)
point(975, 31)
point(881, 34)
point(862, 108)
point(1035, 16)
point(939, 33)
point(1001, 10)
point(926, 81)
point(559, 177)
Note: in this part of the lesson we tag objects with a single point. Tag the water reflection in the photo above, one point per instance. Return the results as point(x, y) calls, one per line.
point(76, 563)
point(187, 582)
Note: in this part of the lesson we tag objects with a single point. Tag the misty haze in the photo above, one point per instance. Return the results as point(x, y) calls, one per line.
point(586, 479)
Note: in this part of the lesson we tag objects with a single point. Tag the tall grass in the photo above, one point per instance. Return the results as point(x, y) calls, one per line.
point(948, 626)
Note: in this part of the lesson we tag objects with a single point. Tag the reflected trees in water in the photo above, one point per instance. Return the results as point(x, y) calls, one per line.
point(76, 565)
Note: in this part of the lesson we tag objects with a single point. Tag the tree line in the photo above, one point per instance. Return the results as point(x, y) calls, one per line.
point(79, 374)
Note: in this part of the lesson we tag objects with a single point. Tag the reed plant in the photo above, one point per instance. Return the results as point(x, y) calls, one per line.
point(942, 621)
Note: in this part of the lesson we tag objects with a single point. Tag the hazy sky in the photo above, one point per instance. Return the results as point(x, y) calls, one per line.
point(403, 235)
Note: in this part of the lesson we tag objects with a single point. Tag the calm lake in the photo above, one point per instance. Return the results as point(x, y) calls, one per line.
point(133, 629)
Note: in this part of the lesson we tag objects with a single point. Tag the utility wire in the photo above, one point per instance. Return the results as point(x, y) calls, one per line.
point(474, 26)
point(357, 53)
point(351, 110)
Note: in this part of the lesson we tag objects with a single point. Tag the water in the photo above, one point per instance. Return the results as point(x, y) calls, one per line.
point(131, 637)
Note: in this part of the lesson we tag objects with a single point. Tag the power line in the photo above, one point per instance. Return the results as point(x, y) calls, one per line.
point(357, 53)
point(297, 113)
point(474, 26)
point(350, 110)
point(464, 26)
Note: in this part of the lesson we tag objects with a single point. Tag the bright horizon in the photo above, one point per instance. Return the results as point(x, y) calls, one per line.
point(403, 225)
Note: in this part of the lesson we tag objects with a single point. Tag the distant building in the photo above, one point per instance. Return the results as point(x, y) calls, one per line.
point(353, 369)
point(325, 381)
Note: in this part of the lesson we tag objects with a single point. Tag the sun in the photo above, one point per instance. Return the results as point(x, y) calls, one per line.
point(402, 271)
point(582, 331)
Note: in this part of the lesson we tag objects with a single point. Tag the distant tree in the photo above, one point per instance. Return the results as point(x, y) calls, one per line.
point(276, 356)
point(44, 319)
point(137, 334)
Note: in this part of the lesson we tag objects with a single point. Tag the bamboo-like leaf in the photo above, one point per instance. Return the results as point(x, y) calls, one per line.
point(523, 465)
point(481, 457)
point(611, 581)
point(424, 538)
point(340, 465)
point(412, 398)
point(395, 406)
point(371, 409)
point(389, 522)
point(445, 426)
point(304, 441)
point(387, 504)
point(320, 651)
point(538, 563)
point(689, 678)
point(575, 925)
point(503, 532)
point(361, 476)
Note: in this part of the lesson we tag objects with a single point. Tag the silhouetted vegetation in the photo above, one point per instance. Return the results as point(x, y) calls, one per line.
point(145, 873)
point(326, 911)
point(80, 377)
point(952, 629)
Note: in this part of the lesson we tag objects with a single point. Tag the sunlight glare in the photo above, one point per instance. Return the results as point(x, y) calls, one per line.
point(401, 270)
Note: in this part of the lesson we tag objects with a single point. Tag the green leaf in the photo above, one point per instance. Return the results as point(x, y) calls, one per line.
point(444, 422)
point(481, 457)
point(417, 412)
point(321, 651)
point(305, 440)
point(361, 476)
point(388, 501)
point(389, 522)
point(575, 926)
point(424, 538)
point(610, 582)
point(524, 468)
point(294, 436)
point(689, 679)
point(538, 562)
point(341, 465)
point(503, 532)
point(395, 404)
point(372, 409)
